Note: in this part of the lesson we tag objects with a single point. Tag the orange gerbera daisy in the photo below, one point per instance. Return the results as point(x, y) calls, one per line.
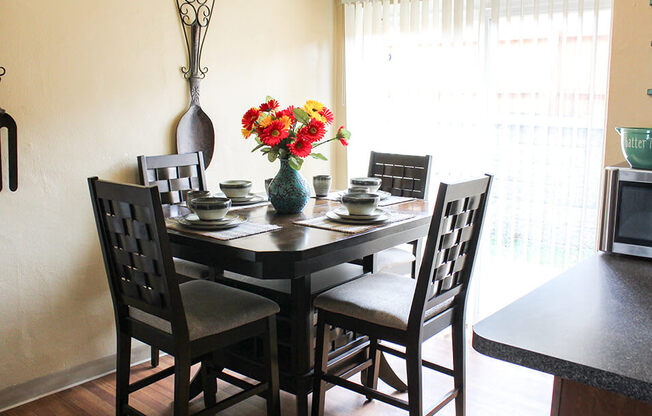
point(269, 105)
point(274, 133)
point(300, 147)
point(250, 118)
point(266, 121)
point(246, 133)
point(287, 122)
point(313, 132)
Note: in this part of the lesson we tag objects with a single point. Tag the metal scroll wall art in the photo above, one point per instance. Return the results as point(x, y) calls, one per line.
point(195, 129)
point(12, 133)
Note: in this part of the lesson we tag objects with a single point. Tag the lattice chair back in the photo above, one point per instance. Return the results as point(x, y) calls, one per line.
point(402, 175)
point(174, 175)
point(136, 251)
point(451, 246)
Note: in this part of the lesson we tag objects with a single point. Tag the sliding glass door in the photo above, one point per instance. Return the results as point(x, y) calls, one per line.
point(512, 88)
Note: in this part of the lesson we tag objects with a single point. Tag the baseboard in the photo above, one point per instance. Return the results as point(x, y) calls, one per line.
point(52, 383)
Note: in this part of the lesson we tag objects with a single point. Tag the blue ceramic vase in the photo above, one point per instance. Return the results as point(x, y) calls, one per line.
point(289, 191)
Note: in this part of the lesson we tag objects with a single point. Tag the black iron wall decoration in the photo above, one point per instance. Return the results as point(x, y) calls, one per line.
point(7, 121)
point(195, 129)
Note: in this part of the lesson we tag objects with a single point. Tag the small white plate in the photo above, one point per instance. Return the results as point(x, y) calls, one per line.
point(229, 221)
point(342, 212)
point(243, 198)
point(331, 215)
point(256, 199)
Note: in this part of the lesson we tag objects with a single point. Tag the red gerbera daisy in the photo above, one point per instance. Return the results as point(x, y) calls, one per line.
point(287, 112)
point(300, 147)
point(313, 132)
point(340, 136)
point(250, 118)
point(328, 115)
point(274, 133)
point(269, 105)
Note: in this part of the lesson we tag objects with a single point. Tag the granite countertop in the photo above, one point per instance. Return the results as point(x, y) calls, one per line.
point(592, 324)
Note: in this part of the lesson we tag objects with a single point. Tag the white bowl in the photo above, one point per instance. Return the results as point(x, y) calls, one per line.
point(210, 208)
point(360, 203)
point(372, 184)
point(235, 188)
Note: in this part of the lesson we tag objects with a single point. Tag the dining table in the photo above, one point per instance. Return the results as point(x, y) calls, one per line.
point(291, 262)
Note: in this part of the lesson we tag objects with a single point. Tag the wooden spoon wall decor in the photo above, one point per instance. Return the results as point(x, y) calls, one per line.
point(12, 133)
point(195, 129)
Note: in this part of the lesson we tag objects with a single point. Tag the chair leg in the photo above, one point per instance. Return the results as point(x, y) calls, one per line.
point(154, 359)
point(459, 367)
point(182, 383)
point(123, 365)
point(321, 365)
point(209, 382)
point(372, 373)
point(270, 347)
point(413, 362)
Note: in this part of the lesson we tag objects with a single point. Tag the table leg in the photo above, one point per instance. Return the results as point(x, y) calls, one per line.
point(302, 336)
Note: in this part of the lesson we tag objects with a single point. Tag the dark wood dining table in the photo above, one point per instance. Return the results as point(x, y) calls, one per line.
point(291, 265)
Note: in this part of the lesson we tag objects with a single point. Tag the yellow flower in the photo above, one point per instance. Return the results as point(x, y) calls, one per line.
point(246, 133)
point(266, 121)
point(313, 106)
point(287, 122)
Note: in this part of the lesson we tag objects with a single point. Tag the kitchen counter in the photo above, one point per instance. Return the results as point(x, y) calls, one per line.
point(591, 325)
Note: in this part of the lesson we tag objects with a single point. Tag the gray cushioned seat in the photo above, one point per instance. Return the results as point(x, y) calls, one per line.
point(212, 308)
point(382, 298)
point(394, 256)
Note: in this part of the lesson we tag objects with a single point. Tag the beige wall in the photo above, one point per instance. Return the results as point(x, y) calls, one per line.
point(630, 73)
point(94, 84)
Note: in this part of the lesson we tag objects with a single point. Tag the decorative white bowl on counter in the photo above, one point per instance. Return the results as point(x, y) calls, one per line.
point(210, 208)
point(235, 188)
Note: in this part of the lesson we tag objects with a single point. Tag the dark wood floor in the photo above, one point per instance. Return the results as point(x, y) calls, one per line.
point(494, 388)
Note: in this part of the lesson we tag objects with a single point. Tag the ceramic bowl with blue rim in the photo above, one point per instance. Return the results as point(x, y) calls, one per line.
point(235, 188)
point(360, 203)
point(372, 184)
point(210, 208)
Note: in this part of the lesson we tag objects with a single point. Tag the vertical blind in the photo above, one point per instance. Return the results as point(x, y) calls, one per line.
point(516, 88)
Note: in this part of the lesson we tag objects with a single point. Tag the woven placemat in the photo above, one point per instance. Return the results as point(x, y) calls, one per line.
point(243, 230)
point(392, 200)
point(324, 223)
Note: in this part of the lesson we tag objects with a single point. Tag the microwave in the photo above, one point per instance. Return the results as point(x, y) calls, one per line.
point(626, 226)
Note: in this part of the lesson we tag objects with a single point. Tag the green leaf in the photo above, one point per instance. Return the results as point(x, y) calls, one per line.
point(266, 150)
point(295, 162)
point(257, 139)
point(258, 147)
point(318, 156)
point(301, 115)
point(271, 156)
point(268, 98)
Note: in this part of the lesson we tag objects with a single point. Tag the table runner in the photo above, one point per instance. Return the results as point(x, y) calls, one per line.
point(324, 223)
point(243, 230)
point(392, 200)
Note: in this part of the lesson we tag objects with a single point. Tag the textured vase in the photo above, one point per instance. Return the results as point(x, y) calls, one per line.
point(289, 191)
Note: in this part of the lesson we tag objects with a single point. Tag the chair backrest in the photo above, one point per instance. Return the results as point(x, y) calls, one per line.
point(174, 175)
point(136, 251)
point(451, 246)
point(402, 175)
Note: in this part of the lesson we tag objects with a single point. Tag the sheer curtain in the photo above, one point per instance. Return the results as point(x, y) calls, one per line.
point(516, 88)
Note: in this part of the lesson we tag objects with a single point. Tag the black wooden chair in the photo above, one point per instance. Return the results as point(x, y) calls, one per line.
point(401, 175)
point(175, 175)
point(407, 312)
point(193, 321)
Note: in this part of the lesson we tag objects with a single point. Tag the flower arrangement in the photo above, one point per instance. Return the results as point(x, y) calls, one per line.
point(292, 133)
